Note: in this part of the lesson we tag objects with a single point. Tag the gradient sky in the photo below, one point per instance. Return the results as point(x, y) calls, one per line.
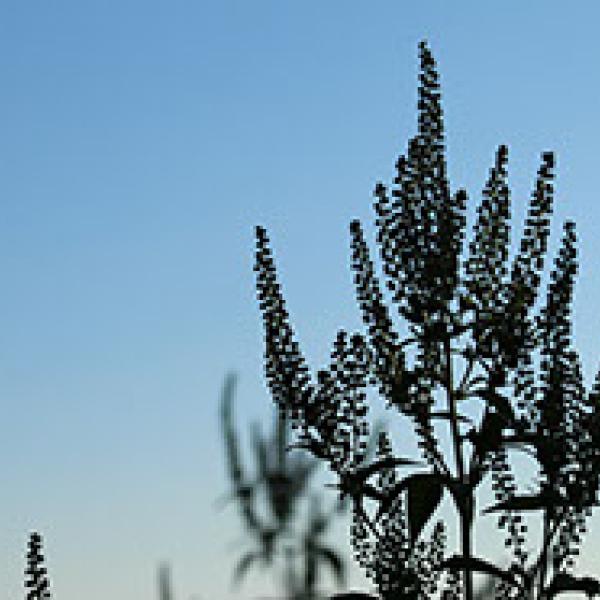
point(140, 143)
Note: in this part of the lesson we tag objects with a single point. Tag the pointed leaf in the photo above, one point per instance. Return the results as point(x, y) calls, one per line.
point(540, 501)
point(461, 563)
point(363, 473)
point(564, 582)
point(429, 483)
point(424, 493)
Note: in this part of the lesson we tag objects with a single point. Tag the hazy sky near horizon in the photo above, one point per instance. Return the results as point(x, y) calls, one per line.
point(140, 144)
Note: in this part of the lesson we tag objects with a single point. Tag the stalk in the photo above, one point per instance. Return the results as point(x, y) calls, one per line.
point(464, 503)
point(466, 525)
point(544, 557)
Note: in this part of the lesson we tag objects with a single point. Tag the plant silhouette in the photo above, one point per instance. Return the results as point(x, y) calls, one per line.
point(165, 590)
point(485, 365)
point(283, 480)
point(35, 574)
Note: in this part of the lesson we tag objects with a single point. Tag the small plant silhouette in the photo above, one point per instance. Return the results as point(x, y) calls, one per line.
point(481, 365)
point(165, 591)
point(283, 480)
point(35, 575)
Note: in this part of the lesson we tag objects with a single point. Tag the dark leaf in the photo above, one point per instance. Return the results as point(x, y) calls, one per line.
point(461, 563)
point(540, 501)
point(424, 493)
point(564, 582)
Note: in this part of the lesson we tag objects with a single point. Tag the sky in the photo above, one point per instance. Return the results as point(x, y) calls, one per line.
point(140, 144)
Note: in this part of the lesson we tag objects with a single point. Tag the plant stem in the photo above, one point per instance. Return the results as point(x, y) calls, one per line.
point(544, 557)
point(465, 502)
point(466, 523)
point(453, 413)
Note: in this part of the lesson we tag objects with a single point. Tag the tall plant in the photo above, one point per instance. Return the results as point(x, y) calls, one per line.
point(36, 579)
point(476, 337)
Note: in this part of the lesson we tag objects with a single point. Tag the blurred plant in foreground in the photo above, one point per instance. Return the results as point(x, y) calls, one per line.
point(165, 591)
point(283, 482)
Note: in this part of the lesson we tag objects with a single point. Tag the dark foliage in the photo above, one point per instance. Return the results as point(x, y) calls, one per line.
point(476, 331)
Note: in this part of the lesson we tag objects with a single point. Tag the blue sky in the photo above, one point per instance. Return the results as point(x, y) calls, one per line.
point(140, 143)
